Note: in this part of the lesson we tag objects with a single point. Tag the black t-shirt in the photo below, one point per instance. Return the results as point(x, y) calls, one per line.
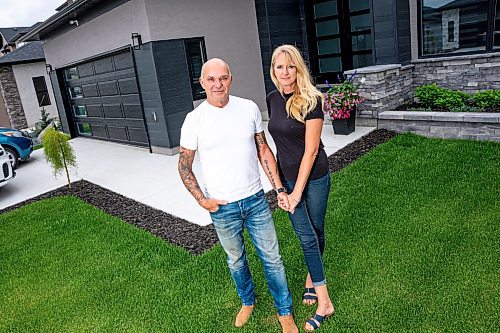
point(290, 138)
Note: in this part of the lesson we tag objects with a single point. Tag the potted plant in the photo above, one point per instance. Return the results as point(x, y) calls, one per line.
point(340, 103)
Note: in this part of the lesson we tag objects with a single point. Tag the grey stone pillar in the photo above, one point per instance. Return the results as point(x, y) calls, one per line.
point(12, 100)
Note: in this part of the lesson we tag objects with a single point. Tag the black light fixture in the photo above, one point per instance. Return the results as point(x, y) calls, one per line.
point(136, 41)
point(48, 68)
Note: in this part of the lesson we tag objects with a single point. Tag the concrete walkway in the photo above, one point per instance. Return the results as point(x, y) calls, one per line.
point(151, 179)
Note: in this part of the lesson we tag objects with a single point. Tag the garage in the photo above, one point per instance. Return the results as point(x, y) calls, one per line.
point(104, 101)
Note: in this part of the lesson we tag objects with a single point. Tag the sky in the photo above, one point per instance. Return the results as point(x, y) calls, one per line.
point(25, 13)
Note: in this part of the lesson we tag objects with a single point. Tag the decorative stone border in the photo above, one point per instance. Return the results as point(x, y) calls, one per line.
point(446, 125)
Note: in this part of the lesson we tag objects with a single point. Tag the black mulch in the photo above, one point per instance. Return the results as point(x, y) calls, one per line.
point(192, 237)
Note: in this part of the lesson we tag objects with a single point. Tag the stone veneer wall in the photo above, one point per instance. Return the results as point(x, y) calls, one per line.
point(10, 95)
point(384, 87)
point(445, 125)
point(470, 73)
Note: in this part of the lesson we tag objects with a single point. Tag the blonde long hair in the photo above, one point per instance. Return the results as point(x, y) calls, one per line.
point(305, 97)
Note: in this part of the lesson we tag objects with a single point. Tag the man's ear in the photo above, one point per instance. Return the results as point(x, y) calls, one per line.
point(200, 79)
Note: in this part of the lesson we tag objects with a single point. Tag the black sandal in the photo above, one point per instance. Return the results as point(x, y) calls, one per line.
point(309, 294)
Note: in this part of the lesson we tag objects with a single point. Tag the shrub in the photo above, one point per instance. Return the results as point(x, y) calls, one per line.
point(450, 99)
point(487, 99)
point(433, 96)
point(428, 94)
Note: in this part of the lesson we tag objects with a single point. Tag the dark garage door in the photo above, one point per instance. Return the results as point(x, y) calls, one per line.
point(104, 99)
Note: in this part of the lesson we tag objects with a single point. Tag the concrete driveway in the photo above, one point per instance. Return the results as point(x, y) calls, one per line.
point(151, 179)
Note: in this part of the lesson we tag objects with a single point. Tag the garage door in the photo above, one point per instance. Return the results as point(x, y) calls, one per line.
point(104, 99)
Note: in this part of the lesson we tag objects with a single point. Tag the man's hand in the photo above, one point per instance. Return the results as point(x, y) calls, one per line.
point(283, 201)
point(212, 205)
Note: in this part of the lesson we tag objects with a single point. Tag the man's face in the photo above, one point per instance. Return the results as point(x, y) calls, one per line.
point(216, 80)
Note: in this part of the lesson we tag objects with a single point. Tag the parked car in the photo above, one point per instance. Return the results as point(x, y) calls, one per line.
point(17, 145)
point(6, 170)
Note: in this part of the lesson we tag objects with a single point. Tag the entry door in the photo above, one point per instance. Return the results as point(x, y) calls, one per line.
point(104, 99)
point(340, 35)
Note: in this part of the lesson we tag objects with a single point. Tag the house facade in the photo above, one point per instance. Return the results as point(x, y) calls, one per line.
point(127, 70)
point(25, 87)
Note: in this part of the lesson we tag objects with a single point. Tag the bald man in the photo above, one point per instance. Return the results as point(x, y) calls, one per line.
point(227, 133)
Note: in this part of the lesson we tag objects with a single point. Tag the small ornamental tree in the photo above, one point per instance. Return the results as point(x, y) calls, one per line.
point(58, 152)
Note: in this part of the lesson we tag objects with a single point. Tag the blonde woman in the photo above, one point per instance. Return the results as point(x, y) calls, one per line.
point(295, 123)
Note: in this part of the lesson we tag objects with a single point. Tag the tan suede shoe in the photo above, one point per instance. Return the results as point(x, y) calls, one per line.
point(243, 316)
point(288, 324)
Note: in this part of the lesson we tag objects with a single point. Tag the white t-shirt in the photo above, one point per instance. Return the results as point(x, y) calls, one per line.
point(224, 139)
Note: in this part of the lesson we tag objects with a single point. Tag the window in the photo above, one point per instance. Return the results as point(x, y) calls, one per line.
point(71, 73)
point(76, 92)
point(341, 36)
point(196, 57)
point(466, 26)
point(42, 94)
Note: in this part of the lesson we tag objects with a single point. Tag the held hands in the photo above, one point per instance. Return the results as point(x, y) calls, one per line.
point(288, 202)
point(212, 205)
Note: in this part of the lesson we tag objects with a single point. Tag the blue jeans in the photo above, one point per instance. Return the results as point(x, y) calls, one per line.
point(253, 213)
point(308, 220)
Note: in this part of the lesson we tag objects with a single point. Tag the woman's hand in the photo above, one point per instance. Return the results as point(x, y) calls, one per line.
point(293, 200)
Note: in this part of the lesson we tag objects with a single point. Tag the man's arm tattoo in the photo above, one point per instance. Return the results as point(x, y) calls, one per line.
point(270, 173)
point(260, 143)
point(260, 140)
point(186, 158)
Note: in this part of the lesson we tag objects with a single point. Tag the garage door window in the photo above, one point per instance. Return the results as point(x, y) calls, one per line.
point(71, 73)
point(84, 128)
point(80, 110)
point(76, 92)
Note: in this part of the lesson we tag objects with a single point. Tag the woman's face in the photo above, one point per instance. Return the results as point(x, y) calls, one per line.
point(285, 72)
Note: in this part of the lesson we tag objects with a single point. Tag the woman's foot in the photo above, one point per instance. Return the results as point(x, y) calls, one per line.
point(322, 313)
point(309, 296)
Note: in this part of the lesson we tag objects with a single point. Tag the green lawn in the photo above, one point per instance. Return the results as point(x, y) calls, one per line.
point(413, 246)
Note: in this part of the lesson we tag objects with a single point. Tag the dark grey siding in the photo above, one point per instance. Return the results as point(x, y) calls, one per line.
point(404, 36)
point(164, 82)
point(174, 82)
point(150, 96)
point(279, 22)
point(391, 29)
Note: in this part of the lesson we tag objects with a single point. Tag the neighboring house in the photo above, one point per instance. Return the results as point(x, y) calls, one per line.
point(24, 87)
point(8, 37)
point(127, 70)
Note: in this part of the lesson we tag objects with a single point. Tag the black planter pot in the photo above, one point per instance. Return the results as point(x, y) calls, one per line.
point(345, 126)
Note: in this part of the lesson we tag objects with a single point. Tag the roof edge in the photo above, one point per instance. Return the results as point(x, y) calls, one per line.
point(53, 19)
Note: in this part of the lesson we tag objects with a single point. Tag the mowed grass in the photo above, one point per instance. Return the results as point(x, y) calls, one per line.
point(413, 245)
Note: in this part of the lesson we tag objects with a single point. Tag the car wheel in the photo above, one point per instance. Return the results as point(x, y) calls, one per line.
point(13, 157)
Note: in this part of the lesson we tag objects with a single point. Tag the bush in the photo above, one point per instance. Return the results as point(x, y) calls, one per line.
point(433, 96)
point(450, 99)
point(487, 99)
point(428, 94)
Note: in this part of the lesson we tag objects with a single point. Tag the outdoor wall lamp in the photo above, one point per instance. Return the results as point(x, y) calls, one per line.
point(48, 68)
point(136, 41)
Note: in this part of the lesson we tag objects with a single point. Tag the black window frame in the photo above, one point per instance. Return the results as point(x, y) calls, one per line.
point(489, 46)
point(196, 88)
point(41, 91)
point(345, 35)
